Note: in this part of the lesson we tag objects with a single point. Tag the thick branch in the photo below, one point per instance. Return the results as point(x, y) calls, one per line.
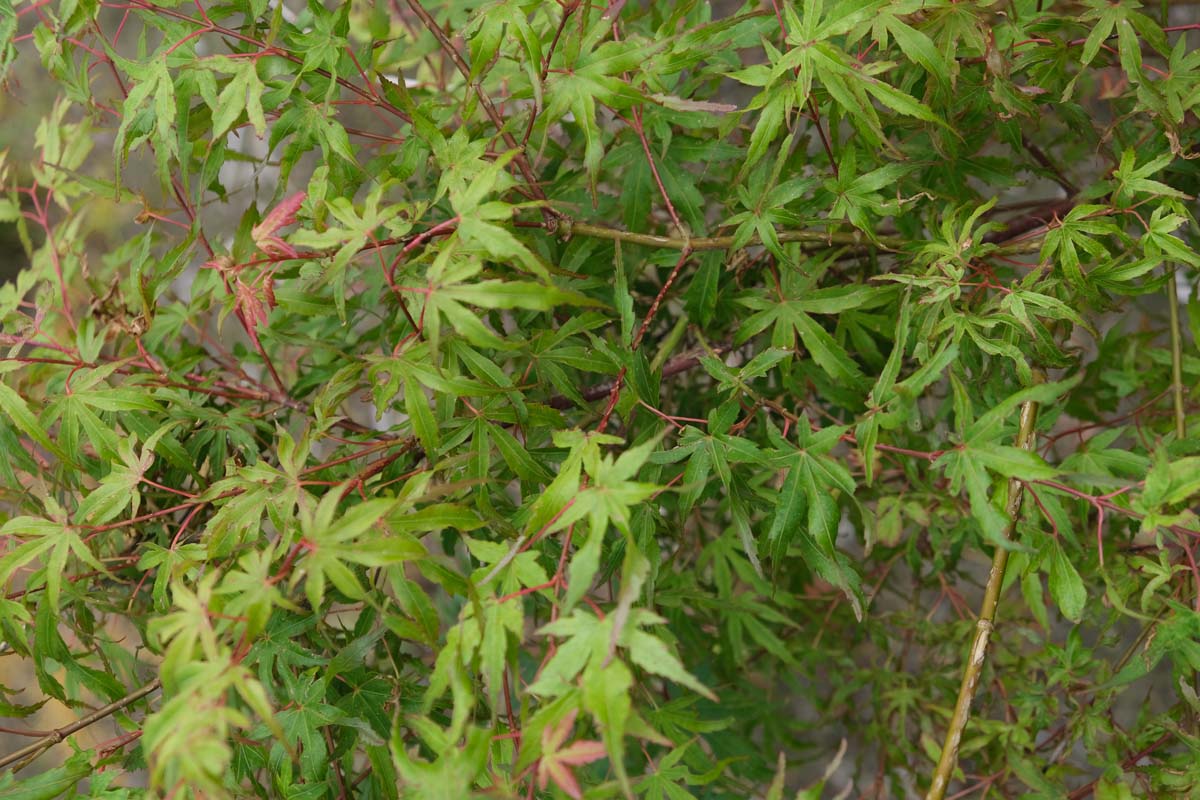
point(986, 622)
point(854, 238)
point(1016, 228)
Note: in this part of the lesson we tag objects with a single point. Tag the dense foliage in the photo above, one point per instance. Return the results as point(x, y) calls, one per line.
point(544, 399)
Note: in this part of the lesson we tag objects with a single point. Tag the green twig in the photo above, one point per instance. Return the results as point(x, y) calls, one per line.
point(986, 622)
point(725, 242)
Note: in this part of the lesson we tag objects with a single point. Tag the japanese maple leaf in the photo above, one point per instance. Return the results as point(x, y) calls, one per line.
point(556, 764)
point(253, 300)
point(280, 216)
point(251, 310)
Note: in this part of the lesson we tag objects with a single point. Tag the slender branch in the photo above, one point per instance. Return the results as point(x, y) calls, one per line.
point(615, 393)
point(25, 755)
point(1088, 789)
point(568, 10)
point(43, 219)
point(986, 622)
point(640, 130)
point(284, 395)
point(1103, 503)
point(1044, 160)
point(658, 298)
point(1038, 218)
point(816, 117)
point(1176, 356)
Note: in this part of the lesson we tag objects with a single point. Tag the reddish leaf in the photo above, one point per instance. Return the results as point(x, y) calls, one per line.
point(585, 751)
point(552, 738)
point(250, 309)
point(555, 764)
point(281, 215)
point(563, 777)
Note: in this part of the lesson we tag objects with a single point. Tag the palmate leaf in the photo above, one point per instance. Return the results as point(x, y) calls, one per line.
point(591, 79)
point(242, 93)
point(912, 41)
point(816, 60)
point(791, 320)
point(606, 680)
point(608, 499)
point(149, 113)
point(982, 452)
point(716, 450)
point(556, 761)
point(333, 542)
point(491, 27)
point(1083, 229)
point(808, 513)
point(50, 542)
point(303, 722)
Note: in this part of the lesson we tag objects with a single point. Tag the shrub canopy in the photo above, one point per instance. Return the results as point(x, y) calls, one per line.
point(528, 399)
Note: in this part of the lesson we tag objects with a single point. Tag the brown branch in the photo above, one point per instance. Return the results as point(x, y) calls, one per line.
point(640, 130)
point(615, 393)
point(1040, 156)
point(1038, 218)
point(816, 117)
point(25, 755)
